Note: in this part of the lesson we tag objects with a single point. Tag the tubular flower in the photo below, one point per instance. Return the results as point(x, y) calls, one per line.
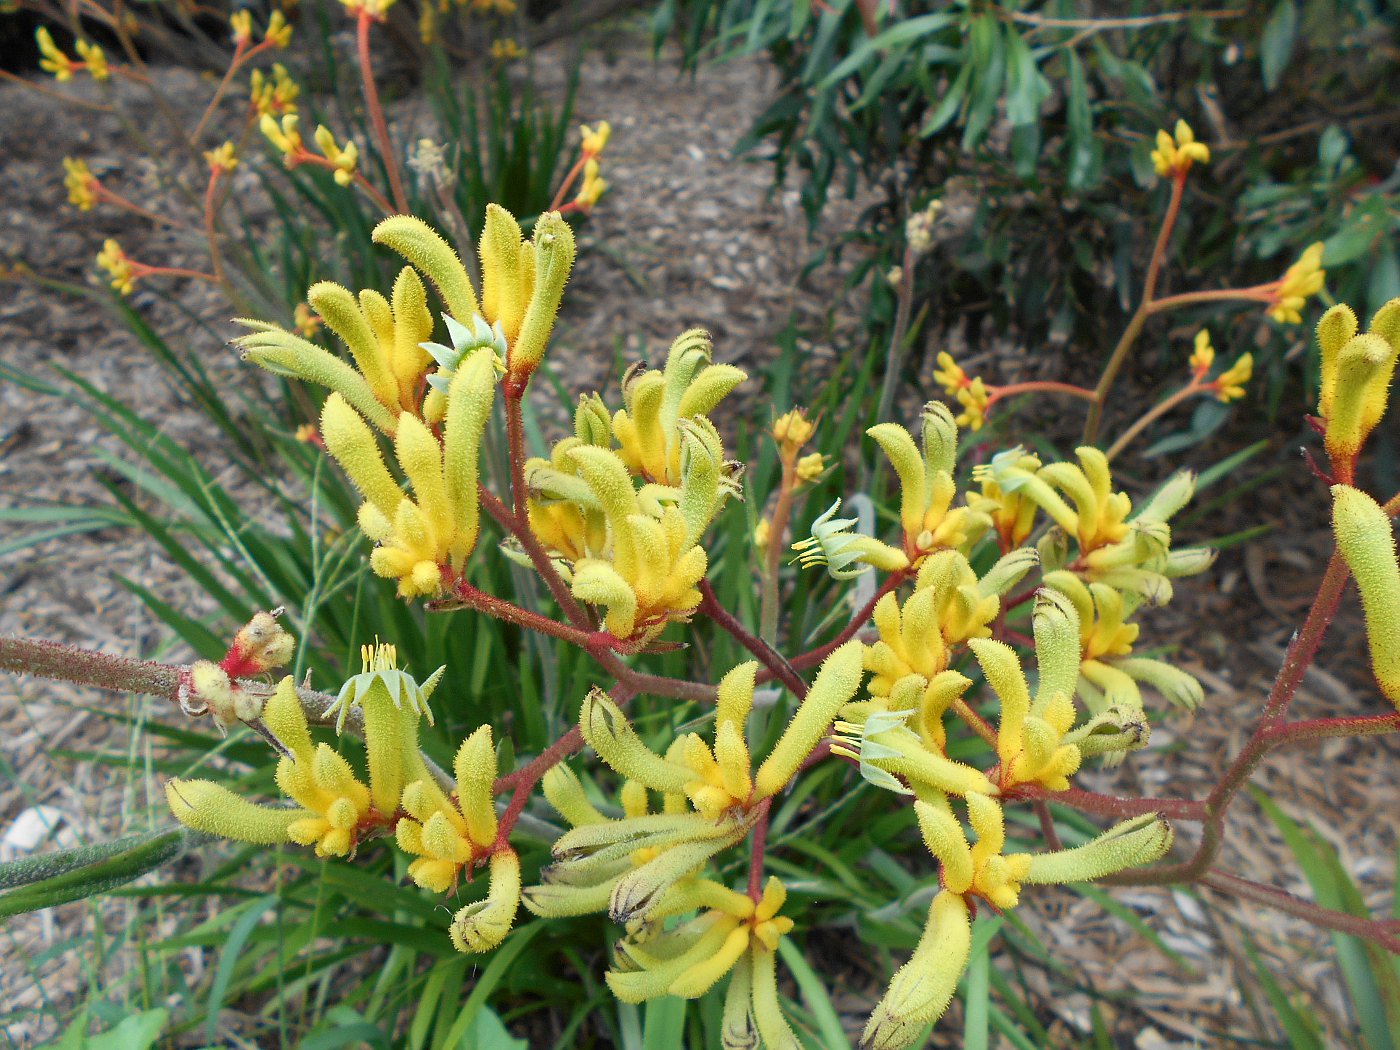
point(1366, 540)
point(279, 32)
point(522, 281)
point(284, 135)
point(1109, 676)
point(592, 140)
point(424, 538)
point(1301, 281)
point(506, 50)
point(1129, 551)
point(1031, 733)
point(385, 339)
point(922, 989)
point(1229, 385)
point(81, 183)
point(94, 60)
point(51, 59)
point(120, 269)
point(221, 158)
point(927, 489)
point(1176, 153)
point(641, 559)
point(334, 806)
point(345, 158)
point(1012, 514)
point(275, 97)
point(845, 553)
point(650, 426)
point(971, 394)
point(592, 188)
point(241, 22)
point(447, 836)
point(690, 959)
point(1202, 357)
point(1356, 375)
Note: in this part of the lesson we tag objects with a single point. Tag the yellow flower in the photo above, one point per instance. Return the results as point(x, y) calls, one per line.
point(306, 321)
point(594, 186)
point(948, 375)
point(1303, 279)
point(242, 24)
point(279, 33)
point(275, 97)
point(792, 430)
point(284, 136)
point(221, 159)
point(345, 159)
point(307, 434)
point(974, 399)
point(82, 184)
point(94, 59)
point(1175, 155)
point(118, 266)
point(1203, 356)
point(506, 50)
point(594, 139)
point(1229, 385)
point(375, 9)
point(51, 59)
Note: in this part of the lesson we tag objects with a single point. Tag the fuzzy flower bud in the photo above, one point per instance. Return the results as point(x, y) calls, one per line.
point(1366, 540)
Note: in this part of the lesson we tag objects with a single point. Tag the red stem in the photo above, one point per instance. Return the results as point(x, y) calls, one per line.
point(859, 620)
point(376, 113)
point(778, 667)
point(760, 847)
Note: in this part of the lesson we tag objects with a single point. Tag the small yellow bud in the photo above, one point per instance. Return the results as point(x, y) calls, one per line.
point(51, 59)
point(792, 430)
point(1229, 385)
point(1176, 153)
point(279, 33)
point(94, 59)
point(506, 50)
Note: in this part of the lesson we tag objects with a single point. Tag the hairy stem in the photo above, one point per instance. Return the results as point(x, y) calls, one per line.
point(766, 654)
point(376, 112)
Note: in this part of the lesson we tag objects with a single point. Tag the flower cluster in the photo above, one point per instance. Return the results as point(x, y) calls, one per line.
point(1031, 576)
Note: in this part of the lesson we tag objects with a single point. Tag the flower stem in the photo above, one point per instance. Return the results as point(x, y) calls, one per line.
point(1139, 318)
point(376, 112)
point(1151, 416)
point(767, 655)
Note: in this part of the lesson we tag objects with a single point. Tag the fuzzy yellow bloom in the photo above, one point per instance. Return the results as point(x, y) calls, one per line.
point(276, 96)
point(506, 50)
point(1229, 385)
point(594, 139)
point(279, 32)
point(971, 394)
point(949, 375)
point(593, 187)
point(51, 59)
point(118, 266)
point(1203, 356)
point(241, 22)
point(1301, 280)
point(222, 158)
point(1176, 153)
point(94, 59)
point(81, 184)
point(284, 136)
point(345, 158)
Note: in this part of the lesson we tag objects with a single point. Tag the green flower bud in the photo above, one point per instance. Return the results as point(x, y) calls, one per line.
point(1366, 540)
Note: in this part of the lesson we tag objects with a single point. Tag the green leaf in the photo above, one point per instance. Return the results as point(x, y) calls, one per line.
point(44, 882)
point(1276, 45)
point(138, 1031)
